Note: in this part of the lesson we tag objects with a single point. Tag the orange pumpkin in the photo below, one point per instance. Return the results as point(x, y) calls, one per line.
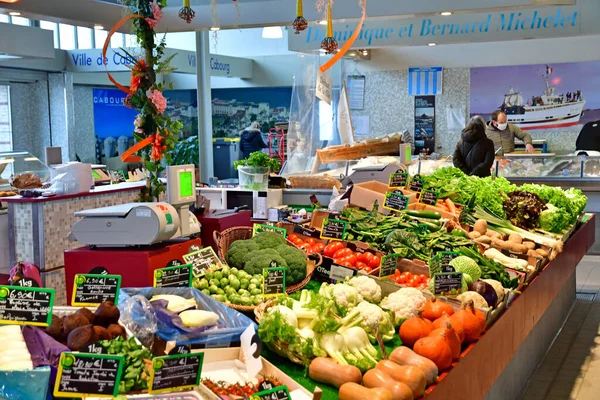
point(456, 325)
point(451, 339)
point(481, 317)
point(436, 349)
point(470, 322)
point(434, 309)
point(414, 329)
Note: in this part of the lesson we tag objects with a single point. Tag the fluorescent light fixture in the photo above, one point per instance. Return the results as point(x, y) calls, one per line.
point(8, 56)
point(215, 28)
point(7, 161)
point(98, 27)
point(431, 44)
point(446, 13)
point(31, 159)
point(365, 52)
point(272, 32)
point(14, 13)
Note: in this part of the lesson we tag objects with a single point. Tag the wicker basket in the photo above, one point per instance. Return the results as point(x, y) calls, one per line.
point(262, 308)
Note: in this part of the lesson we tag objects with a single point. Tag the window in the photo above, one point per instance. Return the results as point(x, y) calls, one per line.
point(20, 21)
point(5, 125)
point(325, 121)
point(4, 18)
point(100, 37)
point(51, 26)
point(84, 38)
point(131, 41)
point(67, 36)
point(116, 40)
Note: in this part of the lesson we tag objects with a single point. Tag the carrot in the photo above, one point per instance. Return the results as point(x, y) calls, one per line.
point(451, 206)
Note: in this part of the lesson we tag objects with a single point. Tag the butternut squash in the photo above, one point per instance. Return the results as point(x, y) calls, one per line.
point(404, 356)
point(375, 378)
point(354, 391)
point(326, 370)
point(411, 376)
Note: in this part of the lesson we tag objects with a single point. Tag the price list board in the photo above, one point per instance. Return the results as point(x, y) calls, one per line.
point(333, 229)
point(176, 372)
point(85, 375)
point(26, 306)
point(179, 276)
point(90, 289)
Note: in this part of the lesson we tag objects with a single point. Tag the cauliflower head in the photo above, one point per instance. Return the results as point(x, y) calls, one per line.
point(415, 294)
point(344, 296)
point(373, 317)
point(367, 287)
point(478, 300)
point(402, 306)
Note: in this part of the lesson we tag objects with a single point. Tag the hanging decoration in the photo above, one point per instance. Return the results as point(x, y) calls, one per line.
point(238, 15)
point(154, 132)
point(323, 68)
point(186, 13)
point(215, 16)
point(300, 22)
point(329, 44)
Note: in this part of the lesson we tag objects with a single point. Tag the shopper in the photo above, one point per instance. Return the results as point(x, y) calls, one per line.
point(503, 134)
point(251, 139)
point(474, 154)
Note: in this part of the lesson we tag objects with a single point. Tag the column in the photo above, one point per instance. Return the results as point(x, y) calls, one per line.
point(62, 117)
point(204, 105)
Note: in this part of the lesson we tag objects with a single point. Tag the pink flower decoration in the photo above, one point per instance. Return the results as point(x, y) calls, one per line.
point(157, 99)
point(138, 124)
point(157, 13)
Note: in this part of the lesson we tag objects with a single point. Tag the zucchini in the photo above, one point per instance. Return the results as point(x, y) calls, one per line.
point(432, 227)
point(424, 214)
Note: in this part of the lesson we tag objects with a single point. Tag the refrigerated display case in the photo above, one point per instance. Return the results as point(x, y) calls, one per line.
point(20, 162)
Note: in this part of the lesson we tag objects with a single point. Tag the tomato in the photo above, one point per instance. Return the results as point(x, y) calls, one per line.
point(401, 279)
point(423, 278)
point(297, 241)
point(331, 248)
point(407, 274)
point(319, 247)
point(361, 265)
point(310, 241)
point(338, 261)
point(414, 281)
point(375, 261)
point(342, 253)
point(351, 259)
point(292, 237)
point(308, 249)
point(347, 264)
point(368, 270)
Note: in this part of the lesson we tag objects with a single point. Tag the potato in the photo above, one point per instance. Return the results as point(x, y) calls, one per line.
point(480, 226)
point(515, 238)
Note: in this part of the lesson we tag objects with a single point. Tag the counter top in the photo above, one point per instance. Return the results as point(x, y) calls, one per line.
point(120, 187)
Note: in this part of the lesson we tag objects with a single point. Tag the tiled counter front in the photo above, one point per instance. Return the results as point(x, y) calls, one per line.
point(39, 232)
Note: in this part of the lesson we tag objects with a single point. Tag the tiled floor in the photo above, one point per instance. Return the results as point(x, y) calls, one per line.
point(571, 369)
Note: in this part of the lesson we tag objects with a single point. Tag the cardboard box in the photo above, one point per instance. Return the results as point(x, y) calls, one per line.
point(365, 194)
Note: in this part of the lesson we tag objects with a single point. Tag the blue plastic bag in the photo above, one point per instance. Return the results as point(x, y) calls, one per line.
point(19, 385)
point(140, 318)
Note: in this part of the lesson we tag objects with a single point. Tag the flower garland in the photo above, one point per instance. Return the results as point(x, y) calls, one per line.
point(154, 132)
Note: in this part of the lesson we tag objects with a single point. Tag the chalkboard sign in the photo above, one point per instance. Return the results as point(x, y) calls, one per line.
point(398, 180)
point(85, 375)
point(180, 276)
point(278, 393)
point(273, 281)
point(26, 306)
point(428, 197)
point(176, 372)
point(395, 202)
point(448, 283)
point(202, 260)
point(259, 228)
point(435, 264)
point(265, 385)
point(334, 229)
point(445, 258)
point(181, 349)
point(416, 184)
point(389, 265)
point(175, 262)
point(91, 290)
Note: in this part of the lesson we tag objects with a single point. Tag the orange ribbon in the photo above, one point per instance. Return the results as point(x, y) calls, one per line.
point(128, 156)
point(348, 44)
point(107, 43)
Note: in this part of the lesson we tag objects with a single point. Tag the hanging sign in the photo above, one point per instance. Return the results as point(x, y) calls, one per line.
point(424, 124)
point(176, 372)
point(178, 276)
point(88, 375)
point(324, 87)
point(202, 260)
point(395, 201)
point(26, 306)
point(91, 290)
point(389, 265)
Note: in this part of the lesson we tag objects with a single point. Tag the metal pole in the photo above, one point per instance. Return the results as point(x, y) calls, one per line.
point(204, 105)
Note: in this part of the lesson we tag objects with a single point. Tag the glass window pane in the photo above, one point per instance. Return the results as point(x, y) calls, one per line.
point(67, 36)
point(131, 41)
point(5, 126)
point(4, 18)
point(20, 21)
point(84, 38)
point(325, 121)
point(116, 40)
point(100, 38)
point(51, 26)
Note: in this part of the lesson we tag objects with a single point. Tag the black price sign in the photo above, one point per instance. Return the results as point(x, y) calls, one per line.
point(174, 263)
point(176, 372)
point(180, 276)
point(416, 184)
point(273, 281)
point(398, 180)
point(445, 258)
point(265, 385)
point(26, 306)
point(87, 375)
point(180, 349)
point(259, 228)
point(278, 393)
point(395, 201)
point(389, 265)
point(91, 290)
point(448, 283)
point(428, 197)
point(334, 229)
point(202, 260)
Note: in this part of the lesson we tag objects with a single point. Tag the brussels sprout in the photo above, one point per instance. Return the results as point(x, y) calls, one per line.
point(206, 292)
point(246, 301)
point(256, 300)
point(220, 291)
point(229, 291)
point(255, 281)
point(218, 275)
point(214, 282)
point(235, 299)
point(234, 271)
point(252, 286)
point(203, 284)
point(208, 276)
point(255, 292)
point(221, 298)
point(224, 282)
point(234, 282)
point(225, 270)
point(244, 283)
point(213, 289)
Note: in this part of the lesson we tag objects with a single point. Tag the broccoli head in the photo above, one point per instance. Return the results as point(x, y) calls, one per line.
point(257, 253)
point(268, 240)
point(262, 259)
point(296, 262)
point(238, 250)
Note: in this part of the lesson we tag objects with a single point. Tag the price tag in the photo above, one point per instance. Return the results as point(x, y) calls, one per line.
point(180, 276)
point(445, 258)
point(181, 349)
point(278, 393)
point(428, 197)
point(416, 184)
point(389, 265)
point(273, 281)
point(259, 228)
point(91, 290)
point(174, 263)
point(448, 283)
point(26, 282)
point(339, 272)
point(398, 180)
point(334, 229)
point(395, 201)
point(202, 260)
point(94, 348)
point(177, 372)
point(85, 375)
point(26, 306)
point(265, 385)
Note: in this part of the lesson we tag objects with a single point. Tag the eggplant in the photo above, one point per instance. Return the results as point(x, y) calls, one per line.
point(486, 291)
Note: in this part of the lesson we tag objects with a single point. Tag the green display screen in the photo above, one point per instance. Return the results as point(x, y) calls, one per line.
point(186, 189)
point(96, 175)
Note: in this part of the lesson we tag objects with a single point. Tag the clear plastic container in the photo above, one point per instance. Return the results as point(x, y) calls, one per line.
point(253, 178)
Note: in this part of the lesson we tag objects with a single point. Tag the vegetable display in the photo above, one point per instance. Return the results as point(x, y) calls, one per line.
point(135, 371)
point(230, 285)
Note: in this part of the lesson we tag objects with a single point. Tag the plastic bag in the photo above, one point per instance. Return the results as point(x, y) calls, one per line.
point(19, 385)
point(138, 315)
point(336, 203)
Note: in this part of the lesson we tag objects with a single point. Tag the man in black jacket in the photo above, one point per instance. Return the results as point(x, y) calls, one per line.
point(474, 154)
point(251, 140)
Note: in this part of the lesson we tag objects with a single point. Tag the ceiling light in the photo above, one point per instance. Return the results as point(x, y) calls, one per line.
point(446, 13)
point(365, 52)
point(431, 44)
point(272, 32)
point(14, 13)
point(323, 21)
point(98, 27)
point(215, 28)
